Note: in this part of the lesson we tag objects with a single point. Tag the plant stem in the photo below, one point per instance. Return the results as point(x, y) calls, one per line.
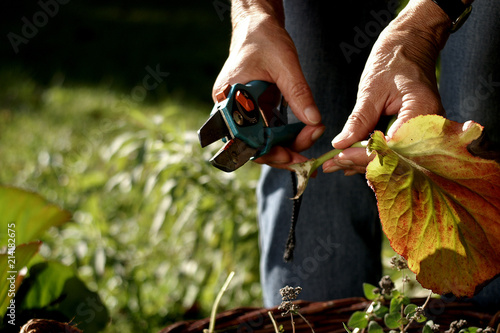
point(305, 169)
point(276, 329)
point(293, 323)
point(413, 317)
point(404, 281)
point(427, 300)
point(334, 152)
point(307, 321)
point(211, 326)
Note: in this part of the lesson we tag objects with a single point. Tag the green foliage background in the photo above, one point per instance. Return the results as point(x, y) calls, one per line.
point(156, 229)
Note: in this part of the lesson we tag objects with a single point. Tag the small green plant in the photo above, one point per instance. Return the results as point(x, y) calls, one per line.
point(394, 310)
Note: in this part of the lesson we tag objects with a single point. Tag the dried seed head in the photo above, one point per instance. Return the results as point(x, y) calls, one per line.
point(456, 326)
point(286, 307)
point(486, 330)
point(435, 328)
point(287, 295)
point(417, 315)
point(399, 263)
point(386, 285)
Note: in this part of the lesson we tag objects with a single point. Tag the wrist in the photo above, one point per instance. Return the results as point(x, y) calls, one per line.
point(257, 11)
point(424, 19)
point(457, 10)
point(255, 23)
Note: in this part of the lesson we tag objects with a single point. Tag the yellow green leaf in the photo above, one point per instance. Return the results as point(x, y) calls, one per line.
point(11, 264)
point(439, 205)
point(28, 214)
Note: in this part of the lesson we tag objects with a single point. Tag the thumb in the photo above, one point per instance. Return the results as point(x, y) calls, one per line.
point(358, 126)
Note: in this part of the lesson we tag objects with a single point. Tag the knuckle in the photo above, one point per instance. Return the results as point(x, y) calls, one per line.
point(300, 90)
point(357, 119)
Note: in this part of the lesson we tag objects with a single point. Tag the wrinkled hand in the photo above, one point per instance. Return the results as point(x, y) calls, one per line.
point(399, 79)
point(261, 49)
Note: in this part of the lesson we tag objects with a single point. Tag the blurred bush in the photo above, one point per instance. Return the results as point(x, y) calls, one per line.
point(156, 228)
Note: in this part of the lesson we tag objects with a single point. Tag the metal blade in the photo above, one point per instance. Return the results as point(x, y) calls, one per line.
point(233, 155)
point(215, 128)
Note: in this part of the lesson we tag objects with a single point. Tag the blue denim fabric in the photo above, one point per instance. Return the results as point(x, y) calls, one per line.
point(470, 86)
point(470, 69)
point(338, 234)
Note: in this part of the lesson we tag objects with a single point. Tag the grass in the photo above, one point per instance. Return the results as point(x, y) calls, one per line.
point(148, 233)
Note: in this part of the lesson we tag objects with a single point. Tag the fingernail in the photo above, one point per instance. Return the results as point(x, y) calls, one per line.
point(340, 137)
point(350, 172)
point(344, 163)
point(318, 133)
point(312, 115)
point(331, 168)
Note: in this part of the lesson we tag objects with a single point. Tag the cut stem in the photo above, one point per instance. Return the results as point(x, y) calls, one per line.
point(307, 321)
point(211, 326)
point(305, 169)
point(276, 329)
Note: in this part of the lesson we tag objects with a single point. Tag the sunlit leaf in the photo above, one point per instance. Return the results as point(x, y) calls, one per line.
point(369, 291)
point(439, 205)
point(397, 303)
point(380, 310)
point(358, 319)
point(393, 320)
point(410, 309)
point(11, 264)
point(30, 213)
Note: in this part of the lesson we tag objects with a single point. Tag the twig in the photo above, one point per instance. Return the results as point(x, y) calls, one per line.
point(276, 329)
point(211, 326)
point(413, 317)
point(307, 321)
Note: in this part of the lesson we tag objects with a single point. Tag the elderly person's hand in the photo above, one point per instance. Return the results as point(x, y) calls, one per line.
point(399, 79)
point(261, 49)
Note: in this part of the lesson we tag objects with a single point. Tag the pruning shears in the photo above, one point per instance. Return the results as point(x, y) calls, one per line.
point(250, 118)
